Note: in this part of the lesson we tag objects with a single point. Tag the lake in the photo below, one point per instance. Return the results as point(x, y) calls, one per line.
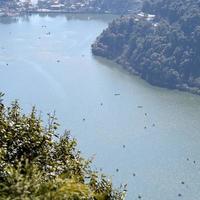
point(147, 133)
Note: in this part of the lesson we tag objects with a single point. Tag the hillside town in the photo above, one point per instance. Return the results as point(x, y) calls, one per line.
point(17, 7)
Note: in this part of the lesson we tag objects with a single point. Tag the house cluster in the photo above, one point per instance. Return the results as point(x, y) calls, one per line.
point(14, 8)
point(17, 7)
point(67, 5)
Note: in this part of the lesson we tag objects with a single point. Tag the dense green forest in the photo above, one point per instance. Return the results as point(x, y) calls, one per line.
point(161, 44)
point(36, 163)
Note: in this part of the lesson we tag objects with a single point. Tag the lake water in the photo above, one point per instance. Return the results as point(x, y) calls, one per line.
point(52, 67)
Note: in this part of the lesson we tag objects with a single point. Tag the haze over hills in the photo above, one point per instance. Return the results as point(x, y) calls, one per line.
point(162, 44)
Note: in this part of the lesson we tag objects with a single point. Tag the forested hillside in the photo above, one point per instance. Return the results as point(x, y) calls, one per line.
point(163, 48)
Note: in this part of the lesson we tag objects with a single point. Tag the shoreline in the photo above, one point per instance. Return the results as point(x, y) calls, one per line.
point(49, 11)
point(10, 12)
point(130, 69)
point(66, 12)
point(181, 87)
point(18, 14)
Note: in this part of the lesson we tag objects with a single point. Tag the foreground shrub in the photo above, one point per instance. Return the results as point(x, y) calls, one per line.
point(37, 164)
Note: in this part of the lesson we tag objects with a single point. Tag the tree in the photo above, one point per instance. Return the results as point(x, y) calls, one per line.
point(164, 50)
point(35, 163)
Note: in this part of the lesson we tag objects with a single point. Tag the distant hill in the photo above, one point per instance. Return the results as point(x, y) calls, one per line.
point(163, 46)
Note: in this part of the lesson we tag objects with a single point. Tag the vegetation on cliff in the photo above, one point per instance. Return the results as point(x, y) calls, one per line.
point(37, 164)
point(163, 46)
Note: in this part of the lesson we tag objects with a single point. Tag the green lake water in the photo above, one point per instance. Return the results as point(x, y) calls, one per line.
point(52, 67)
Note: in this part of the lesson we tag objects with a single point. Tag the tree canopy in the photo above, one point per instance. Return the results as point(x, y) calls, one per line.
point(162, 44)
point(36, 163)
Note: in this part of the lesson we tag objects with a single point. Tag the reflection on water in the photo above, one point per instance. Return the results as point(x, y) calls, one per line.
point(84, 17)
point(8, 20)
point(147, 137)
